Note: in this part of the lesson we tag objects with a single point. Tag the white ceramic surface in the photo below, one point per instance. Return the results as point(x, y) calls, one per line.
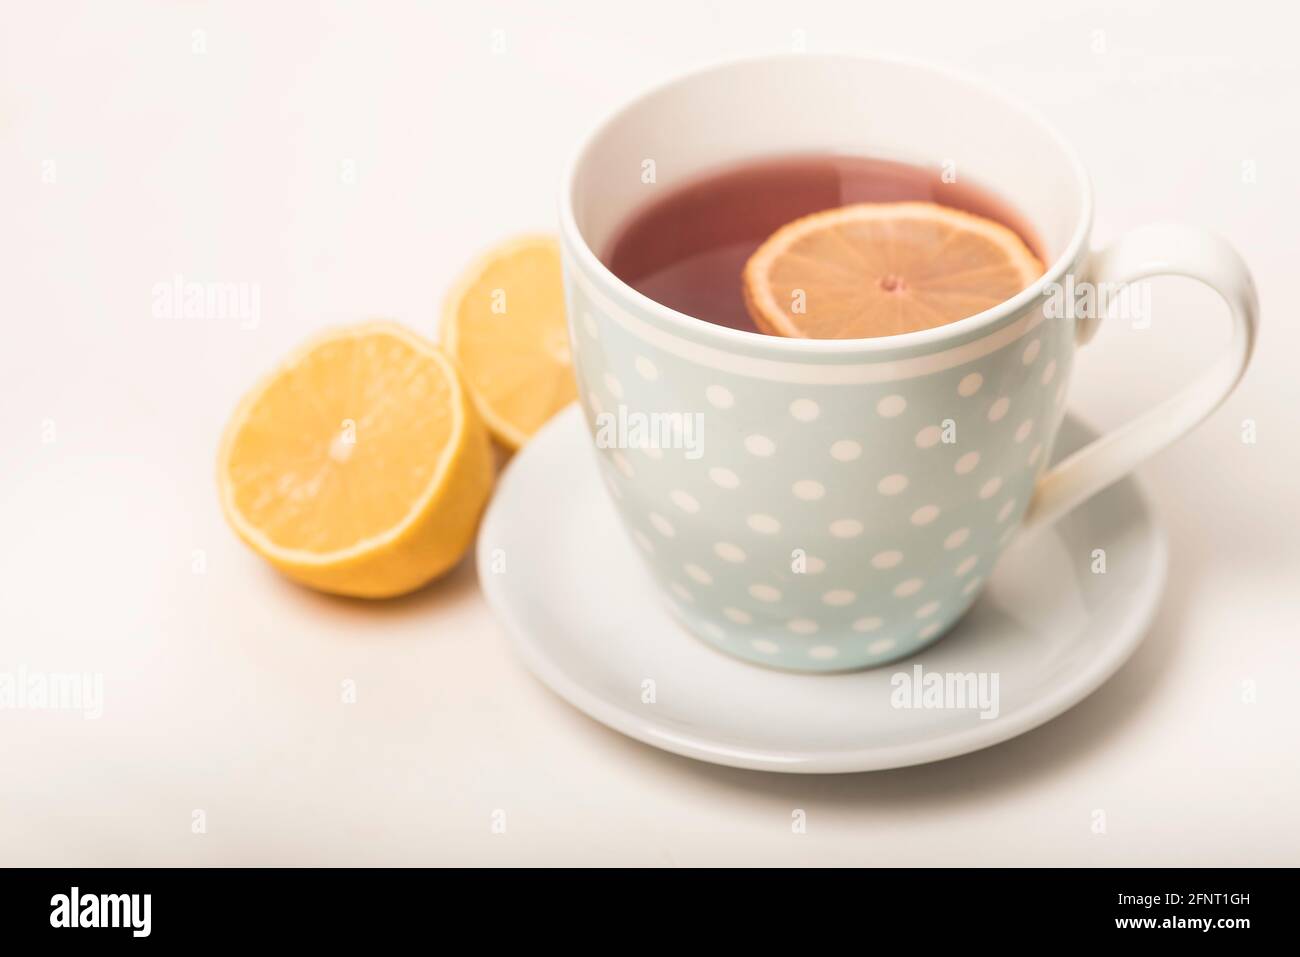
point(583, 614)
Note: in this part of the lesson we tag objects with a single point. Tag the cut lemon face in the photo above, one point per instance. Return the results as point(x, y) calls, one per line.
point(503, 324)
point(359, 466)
point(881, 269)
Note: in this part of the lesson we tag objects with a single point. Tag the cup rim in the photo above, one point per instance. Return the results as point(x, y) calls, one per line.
point(727, 337)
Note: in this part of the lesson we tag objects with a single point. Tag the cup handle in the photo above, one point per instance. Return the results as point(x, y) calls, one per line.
point(1155, 250)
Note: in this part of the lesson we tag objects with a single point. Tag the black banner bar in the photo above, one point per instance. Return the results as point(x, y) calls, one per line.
point(333, 906)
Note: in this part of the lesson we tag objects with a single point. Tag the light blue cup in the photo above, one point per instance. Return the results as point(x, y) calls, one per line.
point(826, 505)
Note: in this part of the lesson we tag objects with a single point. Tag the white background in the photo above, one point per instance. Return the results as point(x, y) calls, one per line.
point(223, 689)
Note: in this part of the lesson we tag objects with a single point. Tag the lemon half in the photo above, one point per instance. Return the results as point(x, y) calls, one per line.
point(360, 466)
point(504, 325)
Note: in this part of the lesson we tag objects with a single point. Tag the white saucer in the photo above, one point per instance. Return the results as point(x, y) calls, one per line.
point(566, 582)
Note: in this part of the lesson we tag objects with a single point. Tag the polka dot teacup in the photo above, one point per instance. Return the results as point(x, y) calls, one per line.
point(822, 505)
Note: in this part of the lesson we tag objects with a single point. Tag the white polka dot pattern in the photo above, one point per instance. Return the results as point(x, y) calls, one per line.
point(846, 450)
point(891, 406)
point(810, 490)
point(646, 369)
point(821, 522)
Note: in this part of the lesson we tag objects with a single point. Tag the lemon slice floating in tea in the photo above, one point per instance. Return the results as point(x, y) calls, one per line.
point(880, 269)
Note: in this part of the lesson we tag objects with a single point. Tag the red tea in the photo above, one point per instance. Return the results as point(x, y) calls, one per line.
point(687, 248)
